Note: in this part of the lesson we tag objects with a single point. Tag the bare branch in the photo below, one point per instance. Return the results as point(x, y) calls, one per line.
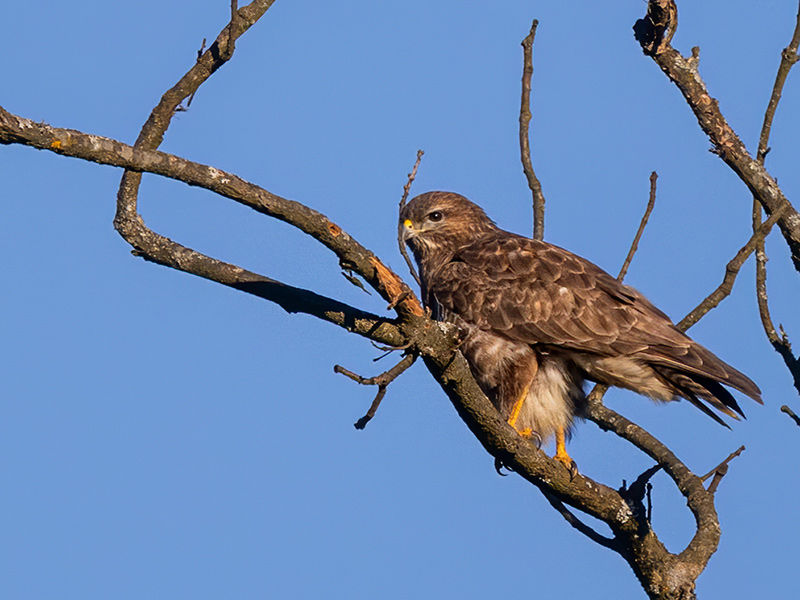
point(635, 245)
point(164, 251)
point(406, 188)
point(635, 494)
point(524, 136)
point(780, 343)
point(576, 523)
point(700, 502)
point(683, 72)
point(159, 249)
point(720, 470)
point(731, 271)
point(382, 381)
point(788, 58)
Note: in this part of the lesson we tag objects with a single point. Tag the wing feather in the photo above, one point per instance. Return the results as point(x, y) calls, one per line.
point(540, 294)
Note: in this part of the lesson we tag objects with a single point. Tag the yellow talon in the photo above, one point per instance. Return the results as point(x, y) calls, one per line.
point(561, 453)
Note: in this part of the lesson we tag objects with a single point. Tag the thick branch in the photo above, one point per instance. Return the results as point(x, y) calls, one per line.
point(163, 250)
point(14, 129)
point(706, 539)
point(684, 74)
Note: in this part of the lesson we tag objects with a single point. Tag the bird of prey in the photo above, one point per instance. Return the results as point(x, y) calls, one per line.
point(538, 321)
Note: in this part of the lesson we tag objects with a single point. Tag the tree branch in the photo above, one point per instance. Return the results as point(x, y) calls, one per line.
point(382, 381)
point(635, 244)
point(68, 142)
point(683, 72)
point(699, 500)
point(720, 470)
point(406, 188)
point(731, 271)
point(576, 523)
point(780, 343)
point(524, 135)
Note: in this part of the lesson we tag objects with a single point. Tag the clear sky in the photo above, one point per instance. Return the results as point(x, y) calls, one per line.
point(165, 437)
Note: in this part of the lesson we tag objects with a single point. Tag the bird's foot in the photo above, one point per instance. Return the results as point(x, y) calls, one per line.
point(566, 460)
point(562, 456)
point(531, 435)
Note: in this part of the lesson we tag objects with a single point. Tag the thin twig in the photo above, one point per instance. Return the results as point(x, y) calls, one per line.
point(731, 271)
point(524, 134)
point(720, 470)
point(788, 58)
point(228, 50)
point(638, 487)
point(599, 390)
point(585, 529)
point(382, 381)
point(791, 413)
point(780, 343)
point(635, 493)
point(352, 278)
point(181, 107)
point(400, 244)
point(635, 245)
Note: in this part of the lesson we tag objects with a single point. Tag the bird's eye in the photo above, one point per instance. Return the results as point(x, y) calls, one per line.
point(435, 216)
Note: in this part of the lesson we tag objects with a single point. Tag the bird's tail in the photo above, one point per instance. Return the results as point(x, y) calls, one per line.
point(700, 378)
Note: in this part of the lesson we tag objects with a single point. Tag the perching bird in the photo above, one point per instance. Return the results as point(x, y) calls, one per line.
point(538, 321)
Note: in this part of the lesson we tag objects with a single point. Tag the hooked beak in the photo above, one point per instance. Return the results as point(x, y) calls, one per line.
point(407, 230)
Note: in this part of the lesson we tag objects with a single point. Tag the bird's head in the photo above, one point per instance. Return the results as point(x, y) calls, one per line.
point(441, 221)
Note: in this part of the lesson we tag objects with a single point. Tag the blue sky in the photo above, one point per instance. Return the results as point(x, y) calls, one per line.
point(165, 437)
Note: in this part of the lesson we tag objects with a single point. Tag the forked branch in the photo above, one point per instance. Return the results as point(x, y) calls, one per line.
point(651, 32)
point(382, 381)
point(781, 342)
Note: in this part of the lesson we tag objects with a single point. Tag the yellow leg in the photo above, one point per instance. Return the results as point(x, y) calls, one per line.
point(515, 410)
point(561, 452)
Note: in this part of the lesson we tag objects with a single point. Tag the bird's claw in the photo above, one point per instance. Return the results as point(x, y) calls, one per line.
point(566, 460)
point(499, 465)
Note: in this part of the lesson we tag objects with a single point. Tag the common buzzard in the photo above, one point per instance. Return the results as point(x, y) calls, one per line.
point(539, 321)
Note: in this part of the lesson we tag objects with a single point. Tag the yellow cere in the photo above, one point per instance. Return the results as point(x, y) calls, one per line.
point(408, 224)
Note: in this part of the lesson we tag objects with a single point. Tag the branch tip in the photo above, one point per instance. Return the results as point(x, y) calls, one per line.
point(406, 189)
point(382, 381)
point(538, 200)
point(785, 409)
point(635, 244)
point(720, 470)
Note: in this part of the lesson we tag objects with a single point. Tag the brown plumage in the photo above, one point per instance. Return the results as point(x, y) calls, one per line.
point(539, 321)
